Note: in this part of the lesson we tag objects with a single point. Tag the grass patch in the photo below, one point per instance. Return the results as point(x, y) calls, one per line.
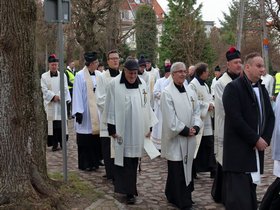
point(76, 191)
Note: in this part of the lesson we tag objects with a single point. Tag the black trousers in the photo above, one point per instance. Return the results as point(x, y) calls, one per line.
point(205, 159)
point(69, 105)
point(106, 153)
point(57, 136)
point(125, 178)
point(271, 199)
point(218, 191)
point(176, 190)
point(88, 151)
point(240, 191)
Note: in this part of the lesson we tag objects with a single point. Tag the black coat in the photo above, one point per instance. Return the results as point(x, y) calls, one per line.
point(242, 118)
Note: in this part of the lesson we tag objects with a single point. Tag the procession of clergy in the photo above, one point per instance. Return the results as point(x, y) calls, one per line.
point(223, 130)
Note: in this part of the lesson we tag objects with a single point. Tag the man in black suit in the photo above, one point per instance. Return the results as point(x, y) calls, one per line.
point(249, 123)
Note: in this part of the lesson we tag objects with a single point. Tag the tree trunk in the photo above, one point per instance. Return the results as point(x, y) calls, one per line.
point(113, 21)
point(23, 172)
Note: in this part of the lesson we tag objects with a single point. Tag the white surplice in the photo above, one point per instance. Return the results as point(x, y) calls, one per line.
point(130, 111)
point(153, 77)
point(101, 91)
point(157, 129)
point(220, 116)
point(80, 103)
point(179, 110)
point(214, 81)
point(268, 81)
point(50, 87)
point(205, 99)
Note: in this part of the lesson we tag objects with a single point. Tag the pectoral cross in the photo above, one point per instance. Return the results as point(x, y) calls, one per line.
point(186, 159)
point(145, 96)
point(192, 102)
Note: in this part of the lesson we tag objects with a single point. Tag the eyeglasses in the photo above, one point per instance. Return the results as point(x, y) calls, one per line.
point(114, 58)
point(181, 71)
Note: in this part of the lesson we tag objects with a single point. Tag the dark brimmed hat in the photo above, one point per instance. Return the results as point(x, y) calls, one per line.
point(148, 60)
point(232, 53)
point(131, 65)
point(142, 61)
point(90, 56)
point(52, 58)
point(217, 68)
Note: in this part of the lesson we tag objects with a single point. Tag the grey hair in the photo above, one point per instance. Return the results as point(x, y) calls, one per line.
point(175, 66)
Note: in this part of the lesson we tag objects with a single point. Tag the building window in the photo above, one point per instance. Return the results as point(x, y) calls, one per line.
point(125, 15)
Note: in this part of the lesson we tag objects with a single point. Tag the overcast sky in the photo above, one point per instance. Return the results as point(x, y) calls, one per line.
point(211, 10)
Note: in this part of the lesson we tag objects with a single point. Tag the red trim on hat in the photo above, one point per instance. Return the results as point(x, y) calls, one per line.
point(232, 50)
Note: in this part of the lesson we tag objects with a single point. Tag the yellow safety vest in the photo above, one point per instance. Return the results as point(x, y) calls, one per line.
point(277, 83)
point(71, 77)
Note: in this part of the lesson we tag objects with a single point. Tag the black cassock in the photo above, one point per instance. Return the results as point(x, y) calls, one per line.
point(271, 199)
point(88, 151)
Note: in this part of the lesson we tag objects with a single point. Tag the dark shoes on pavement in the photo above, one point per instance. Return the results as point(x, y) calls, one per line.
point(130, 199)
point(101, 163)
point(212, 174)
point(55, 148)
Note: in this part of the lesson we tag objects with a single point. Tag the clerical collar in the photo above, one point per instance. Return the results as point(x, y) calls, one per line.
point(127, 84)
point(255, 85)
point(91, 73)
point(114, 72)
point(53, 74)
point(201, 82)
point(180, 88)
point(232, 75)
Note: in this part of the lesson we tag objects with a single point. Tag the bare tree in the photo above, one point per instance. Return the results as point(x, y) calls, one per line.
point(273, 7)
point(89, 20)
point(23, 173)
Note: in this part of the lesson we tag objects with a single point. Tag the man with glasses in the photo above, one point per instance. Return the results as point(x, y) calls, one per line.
point(180, 123)
point(113, 61)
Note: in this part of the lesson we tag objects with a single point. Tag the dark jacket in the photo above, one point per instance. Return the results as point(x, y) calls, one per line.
point(242, 122)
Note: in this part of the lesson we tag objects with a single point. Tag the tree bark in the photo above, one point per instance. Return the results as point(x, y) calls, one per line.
point(23, 172)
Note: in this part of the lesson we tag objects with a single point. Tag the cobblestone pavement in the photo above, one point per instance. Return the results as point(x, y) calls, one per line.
point(150, 184)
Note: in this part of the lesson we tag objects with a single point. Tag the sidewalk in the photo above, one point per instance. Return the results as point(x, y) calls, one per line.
point(150, 183)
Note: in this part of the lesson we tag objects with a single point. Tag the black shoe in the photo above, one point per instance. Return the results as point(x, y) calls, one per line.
point(130, 199)
point(55, 149)
point(100, 163)
point(212, 174)
point(91, 169)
